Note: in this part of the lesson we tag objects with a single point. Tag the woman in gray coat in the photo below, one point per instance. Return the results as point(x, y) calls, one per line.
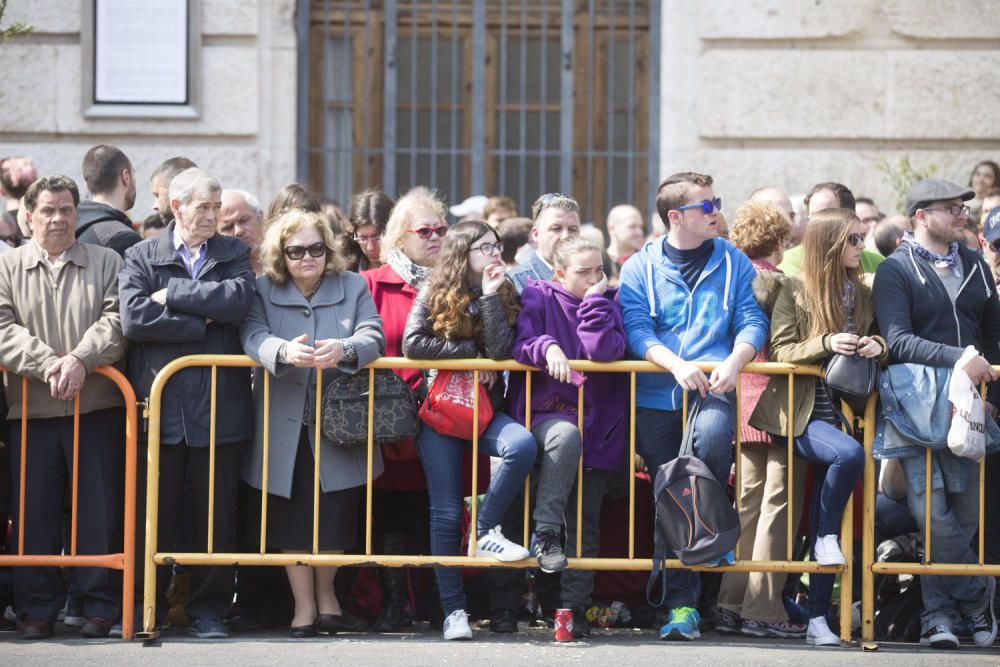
point(308, 314)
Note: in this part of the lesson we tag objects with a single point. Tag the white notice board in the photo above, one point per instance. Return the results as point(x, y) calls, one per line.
point(141, 52)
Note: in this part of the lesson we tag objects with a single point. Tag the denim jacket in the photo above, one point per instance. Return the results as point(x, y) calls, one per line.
point(909, 423)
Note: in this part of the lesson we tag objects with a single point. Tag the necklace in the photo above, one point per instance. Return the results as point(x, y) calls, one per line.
point(315, 289)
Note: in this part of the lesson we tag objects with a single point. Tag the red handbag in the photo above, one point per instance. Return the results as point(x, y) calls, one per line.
point(448, 408)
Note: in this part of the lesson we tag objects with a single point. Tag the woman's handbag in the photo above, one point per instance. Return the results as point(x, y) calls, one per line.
point(448, 408)
point(345, 410)
point(851, 379)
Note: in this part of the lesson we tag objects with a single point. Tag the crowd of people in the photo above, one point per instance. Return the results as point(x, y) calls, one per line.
point(302, 288)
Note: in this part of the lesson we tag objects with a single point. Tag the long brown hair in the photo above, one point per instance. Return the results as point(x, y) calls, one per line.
point(824, 274)
point(448, 293)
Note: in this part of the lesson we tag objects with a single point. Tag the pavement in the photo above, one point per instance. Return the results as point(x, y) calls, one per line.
point(530, 646)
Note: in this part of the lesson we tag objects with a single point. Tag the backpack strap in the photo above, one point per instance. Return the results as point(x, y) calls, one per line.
point(659, 572)
point(687, 441)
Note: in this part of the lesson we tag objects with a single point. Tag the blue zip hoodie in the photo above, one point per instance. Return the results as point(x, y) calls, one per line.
point(703, 324)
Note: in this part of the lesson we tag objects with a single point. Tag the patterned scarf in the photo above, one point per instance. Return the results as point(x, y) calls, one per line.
point(937, 261)
point(413, 274)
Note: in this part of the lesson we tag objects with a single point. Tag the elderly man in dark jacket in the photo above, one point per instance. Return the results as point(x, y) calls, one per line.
point(187, 292)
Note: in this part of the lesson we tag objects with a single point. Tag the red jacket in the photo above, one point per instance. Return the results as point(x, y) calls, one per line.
point(393, 298)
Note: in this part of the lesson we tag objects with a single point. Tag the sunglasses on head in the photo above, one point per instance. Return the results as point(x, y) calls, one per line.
point(706, 205)
point(297, 252)
point(426, 232)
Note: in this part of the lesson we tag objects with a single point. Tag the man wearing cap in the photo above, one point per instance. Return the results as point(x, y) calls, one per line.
point(933, 298)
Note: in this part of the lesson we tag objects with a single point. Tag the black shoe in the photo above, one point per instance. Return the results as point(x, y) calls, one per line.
point(392, 618)
point(503, 621)
point(342, 622)
point(581, 626)
point(302, 631)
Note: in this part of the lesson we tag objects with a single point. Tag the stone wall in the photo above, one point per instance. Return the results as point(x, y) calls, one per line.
point(779, 92)
point(793, 92)
point(244, 133)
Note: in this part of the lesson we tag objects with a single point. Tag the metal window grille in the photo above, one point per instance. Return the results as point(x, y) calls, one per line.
point(514, 97)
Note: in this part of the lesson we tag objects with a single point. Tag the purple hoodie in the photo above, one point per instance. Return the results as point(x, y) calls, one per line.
point(588, 329)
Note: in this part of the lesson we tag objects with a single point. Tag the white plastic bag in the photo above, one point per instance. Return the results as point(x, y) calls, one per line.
point(967, 435)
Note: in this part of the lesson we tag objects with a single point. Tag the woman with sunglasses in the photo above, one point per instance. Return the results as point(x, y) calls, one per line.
point(829, 311)
point(410, 247)
point(468, 309)
point(309, 314)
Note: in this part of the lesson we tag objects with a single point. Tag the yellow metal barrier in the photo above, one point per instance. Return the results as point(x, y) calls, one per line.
point(154, 557)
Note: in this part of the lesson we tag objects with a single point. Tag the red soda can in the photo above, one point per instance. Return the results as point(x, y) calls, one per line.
point(564, 625)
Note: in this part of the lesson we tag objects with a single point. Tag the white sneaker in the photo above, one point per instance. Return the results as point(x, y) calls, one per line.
point(819, 633)
point(495, 545)
point(827, 550)
point(456, 626)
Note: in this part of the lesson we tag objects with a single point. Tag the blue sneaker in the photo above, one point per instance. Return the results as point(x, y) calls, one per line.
point(726, 559)
point(208, 627)
point(683, 625)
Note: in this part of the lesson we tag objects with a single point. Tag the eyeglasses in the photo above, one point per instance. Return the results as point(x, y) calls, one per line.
point(426, 232)
point(856, 239)
point(297, 252)
point(365, 240)
point(706, 205)
point(954, 209)
point(488, 249)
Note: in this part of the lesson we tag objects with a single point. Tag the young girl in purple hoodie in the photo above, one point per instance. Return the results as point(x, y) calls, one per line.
point(575, 316)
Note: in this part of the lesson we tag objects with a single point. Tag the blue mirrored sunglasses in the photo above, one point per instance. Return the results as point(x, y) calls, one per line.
point(706, 205)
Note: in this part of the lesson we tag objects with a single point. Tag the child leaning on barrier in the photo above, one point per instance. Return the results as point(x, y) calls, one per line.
point(575, 316)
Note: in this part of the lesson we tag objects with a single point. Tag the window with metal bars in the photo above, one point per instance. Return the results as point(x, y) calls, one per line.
point(513, 97)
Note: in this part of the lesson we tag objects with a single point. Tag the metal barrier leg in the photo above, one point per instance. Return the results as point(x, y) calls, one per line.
point(868, 528)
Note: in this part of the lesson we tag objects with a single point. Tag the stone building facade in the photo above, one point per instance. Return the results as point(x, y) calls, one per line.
point(775, 92)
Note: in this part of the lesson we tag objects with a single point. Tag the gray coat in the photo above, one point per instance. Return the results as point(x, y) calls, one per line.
point(342, 308)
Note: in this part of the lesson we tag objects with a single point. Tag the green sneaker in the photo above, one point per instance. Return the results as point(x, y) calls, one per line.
point(683, 625)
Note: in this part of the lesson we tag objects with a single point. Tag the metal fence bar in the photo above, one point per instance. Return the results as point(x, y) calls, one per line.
point(478, 185)
point(522, 115)
point(211, 461)
point(653, 67)
point(76, 473)
point(389, 88)
point(609, 111)
point(630, 105)
point(502, 96)
point(413, 96)
point(302, 83)
point(566, 106)
point(434, 91)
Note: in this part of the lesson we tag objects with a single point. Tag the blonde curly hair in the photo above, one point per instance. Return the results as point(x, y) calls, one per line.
point(282, 228)
point(760, 229)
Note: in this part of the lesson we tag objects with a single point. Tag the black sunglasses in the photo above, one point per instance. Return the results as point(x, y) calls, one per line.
point(297, 252)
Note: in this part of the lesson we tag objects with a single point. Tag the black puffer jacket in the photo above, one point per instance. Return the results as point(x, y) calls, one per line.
point(421, 342)
point(106, 226)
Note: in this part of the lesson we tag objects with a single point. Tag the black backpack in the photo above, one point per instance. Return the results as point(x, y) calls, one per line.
point(695, 519)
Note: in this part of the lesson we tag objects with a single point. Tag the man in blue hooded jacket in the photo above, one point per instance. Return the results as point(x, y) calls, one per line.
point(686, 298)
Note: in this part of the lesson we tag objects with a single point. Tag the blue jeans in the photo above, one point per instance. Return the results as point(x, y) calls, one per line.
point(954, 521)
point(658, 436)
point(442, 458)
point(839, 461)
